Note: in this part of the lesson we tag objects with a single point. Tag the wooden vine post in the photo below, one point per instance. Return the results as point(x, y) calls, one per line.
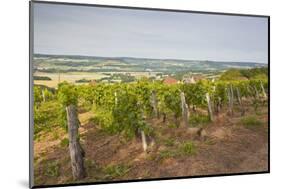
point(210, 112)
point(154, 104)
point(43, 96)
point(263, 91)
point(250, 92)
point(144, 143)
point(184, 109)
point(75, 149)
point(143, 137)
point(230, 100)
point(219, 104)
point(232, 94)
point(240, 101)
point(115, 98)
point(256, 92)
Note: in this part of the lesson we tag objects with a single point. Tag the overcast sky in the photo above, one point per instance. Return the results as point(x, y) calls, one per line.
point(110, 32)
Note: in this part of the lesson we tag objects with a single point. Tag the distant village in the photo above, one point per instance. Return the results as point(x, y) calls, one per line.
point(166, 79)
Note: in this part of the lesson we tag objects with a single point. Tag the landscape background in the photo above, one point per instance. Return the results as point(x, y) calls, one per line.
point(49, 70)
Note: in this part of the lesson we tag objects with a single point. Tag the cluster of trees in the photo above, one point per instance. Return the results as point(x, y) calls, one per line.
point(83, 80)
point(45, 78)
point(124, 78)
point(236, 74)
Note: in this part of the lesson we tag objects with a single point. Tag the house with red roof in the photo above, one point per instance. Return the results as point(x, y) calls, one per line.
point(170, 80)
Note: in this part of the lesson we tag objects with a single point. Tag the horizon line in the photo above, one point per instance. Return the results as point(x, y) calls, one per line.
point(179, 59)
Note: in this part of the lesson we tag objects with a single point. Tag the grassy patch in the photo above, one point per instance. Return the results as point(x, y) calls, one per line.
point(64, 142)
point(197, 119)
point(91, 164)
point(113, 171)
point(52, 169)
point(187, 148)
point(210, 142)
point(167, 154)
point(169, 142)
point(56, 135)
point(152, 157)
point(251, 122)
point(172, 125)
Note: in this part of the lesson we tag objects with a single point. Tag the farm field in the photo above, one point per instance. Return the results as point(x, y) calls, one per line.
point(71, 77)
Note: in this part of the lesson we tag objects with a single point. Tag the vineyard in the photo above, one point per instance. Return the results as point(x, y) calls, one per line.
point(149, 129)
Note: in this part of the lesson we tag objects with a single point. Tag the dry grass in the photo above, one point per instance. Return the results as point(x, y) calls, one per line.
point(69, 77)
